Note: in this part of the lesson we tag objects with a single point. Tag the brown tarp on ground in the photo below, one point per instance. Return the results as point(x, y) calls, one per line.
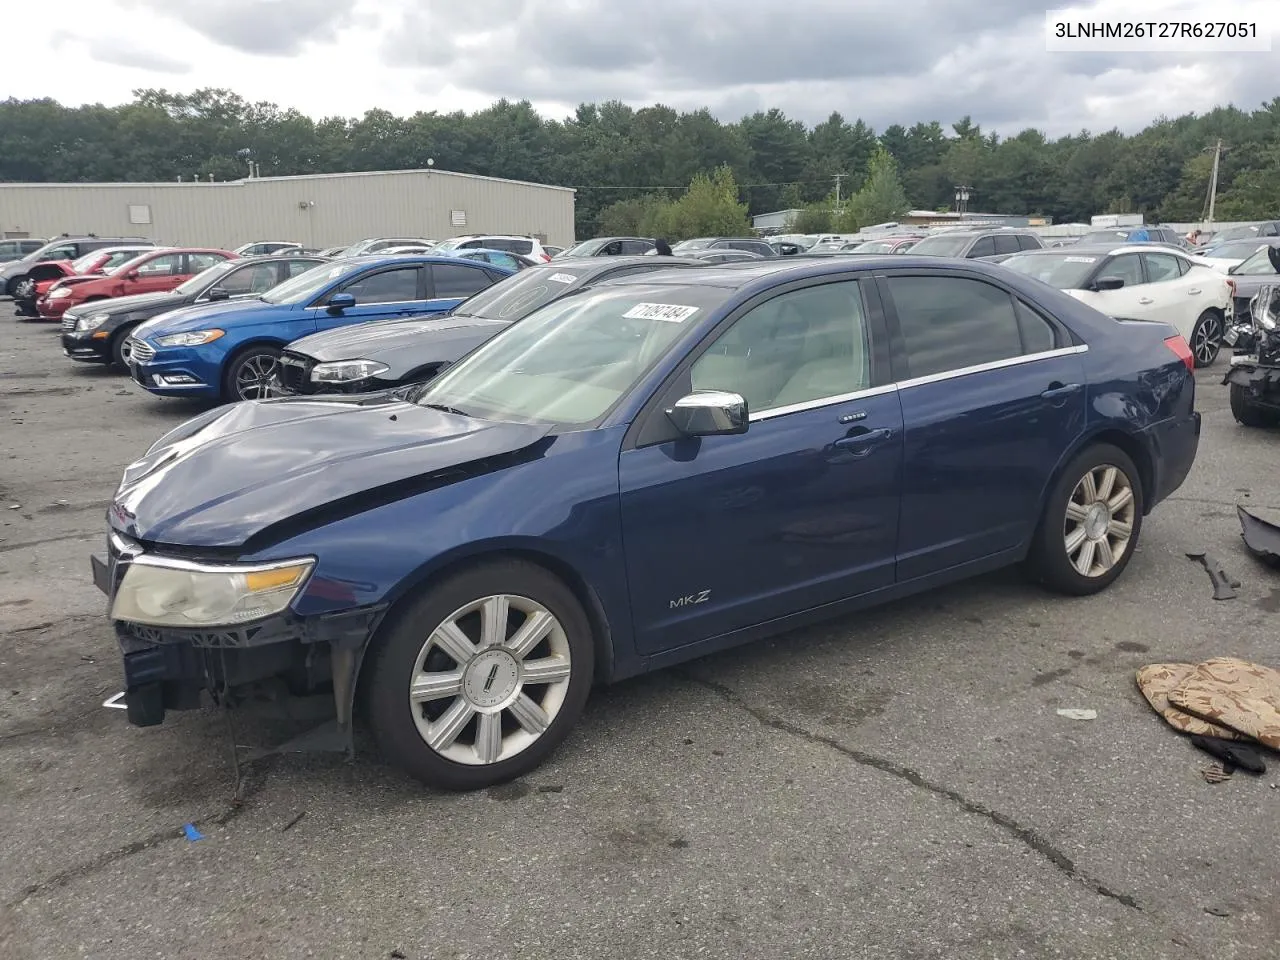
point(1234, 693)
point(1157, 680)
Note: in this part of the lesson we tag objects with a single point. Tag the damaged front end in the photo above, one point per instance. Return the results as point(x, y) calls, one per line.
point(1254, 374)
point(170, 664)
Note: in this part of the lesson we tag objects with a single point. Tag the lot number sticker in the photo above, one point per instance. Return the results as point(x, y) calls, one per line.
point(669, 312)
point(562, 277)
point(1081, 259)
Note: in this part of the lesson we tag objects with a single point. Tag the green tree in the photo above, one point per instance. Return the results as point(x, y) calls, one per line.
point(710, 207)
point(814, 218)
point(881, 199)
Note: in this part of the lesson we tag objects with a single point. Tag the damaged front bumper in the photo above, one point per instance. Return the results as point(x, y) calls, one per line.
point(171, 669)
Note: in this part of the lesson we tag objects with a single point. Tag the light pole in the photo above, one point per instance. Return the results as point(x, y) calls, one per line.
point(962, 200)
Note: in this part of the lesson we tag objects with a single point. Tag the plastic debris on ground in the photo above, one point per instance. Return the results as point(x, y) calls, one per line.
point(192, 834)
point(1073, 713)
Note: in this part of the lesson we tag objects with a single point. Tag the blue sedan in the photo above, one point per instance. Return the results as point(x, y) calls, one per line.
point(229, 350)
point(646, 471)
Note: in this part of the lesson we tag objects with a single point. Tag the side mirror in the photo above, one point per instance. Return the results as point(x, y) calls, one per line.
point(341, 301)
point(709, 413)
point(1108, 283)
point(218, 293)
point(131, 275)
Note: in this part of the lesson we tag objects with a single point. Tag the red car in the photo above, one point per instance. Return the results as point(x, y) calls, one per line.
point(44, 275)
point(156, 271)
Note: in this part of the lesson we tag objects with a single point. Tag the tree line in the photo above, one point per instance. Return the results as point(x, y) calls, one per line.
point(654, 167)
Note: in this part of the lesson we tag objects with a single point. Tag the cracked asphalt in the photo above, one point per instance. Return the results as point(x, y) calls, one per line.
point(892, 784)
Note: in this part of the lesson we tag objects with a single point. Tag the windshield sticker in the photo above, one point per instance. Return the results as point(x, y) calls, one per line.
point(668, 312)
point(562, 277)
point(1080, 260)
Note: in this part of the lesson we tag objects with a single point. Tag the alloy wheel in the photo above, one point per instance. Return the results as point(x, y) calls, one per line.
point(254, 376)
point(1098, 528)
point(1206, 339)
point(490, 679)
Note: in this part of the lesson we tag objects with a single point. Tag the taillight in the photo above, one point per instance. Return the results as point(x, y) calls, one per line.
point(1179, 347)
point(1231, 285)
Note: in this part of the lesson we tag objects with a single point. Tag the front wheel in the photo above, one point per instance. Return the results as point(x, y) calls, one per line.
point(477, 681)
point(1248, 413)
point(11, 288)
point(1206, 338)
point(1091, 522)
point(250, 374)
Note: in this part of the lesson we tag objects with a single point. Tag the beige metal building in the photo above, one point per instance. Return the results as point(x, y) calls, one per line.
point(317, 211)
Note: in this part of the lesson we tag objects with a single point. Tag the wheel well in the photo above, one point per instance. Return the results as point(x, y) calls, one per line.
point(562, 571)
point(1137, 453)
point(94, 299)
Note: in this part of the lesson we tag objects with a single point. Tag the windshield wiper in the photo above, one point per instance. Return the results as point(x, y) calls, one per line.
point(444, 409)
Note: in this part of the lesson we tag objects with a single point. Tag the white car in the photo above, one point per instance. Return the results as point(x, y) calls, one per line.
point(1223, 256)
point(1140, 282)
point(524, 246)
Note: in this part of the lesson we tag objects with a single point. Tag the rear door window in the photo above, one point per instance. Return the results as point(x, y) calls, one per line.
point(1006, 243)
point(950, 323)
point(984, 247)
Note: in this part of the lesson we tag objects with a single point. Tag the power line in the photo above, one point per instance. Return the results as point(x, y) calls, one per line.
point(685, 186)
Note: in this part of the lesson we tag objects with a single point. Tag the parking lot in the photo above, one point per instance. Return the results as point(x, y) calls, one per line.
point(894, 784)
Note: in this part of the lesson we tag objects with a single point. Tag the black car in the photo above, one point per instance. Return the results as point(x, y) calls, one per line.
point(96, 332)
point(749, 244)
point(607, 247)
point(60, 248)
point(389, 353)
point(716, 255)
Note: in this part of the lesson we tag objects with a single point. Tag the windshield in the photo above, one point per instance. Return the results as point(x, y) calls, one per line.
point(304, 286)
point(357, 248)
point(587, 248)
point(872, 246)
point(699, 244)
point(131, 261)
point(942, 245)
point(1235, 250)
point(571, 361)
point(519, 295)
point(1108, 236)
point(1237, 233)
point(85, 262)
point(1062, 270)
point(1258, 265)
point(444, 245)
point(206, 277)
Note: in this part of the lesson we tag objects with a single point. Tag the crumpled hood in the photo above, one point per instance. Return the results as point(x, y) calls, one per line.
point(204, 315)
point(402, 345)
point(259, 463)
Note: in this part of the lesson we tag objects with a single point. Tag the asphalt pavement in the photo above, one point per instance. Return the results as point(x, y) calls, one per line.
point(895, 784)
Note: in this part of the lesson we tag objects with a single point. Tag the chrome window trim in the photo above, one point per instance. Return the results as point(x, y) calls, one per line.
point(915, 382)
point(993, 365)
point(822, 402)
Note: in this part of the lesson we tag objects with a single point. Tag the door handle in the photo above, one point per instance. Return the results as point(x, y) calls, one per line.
point(1193, 293)
point(1145, 300)
point(870, 438)
point(1057, 390)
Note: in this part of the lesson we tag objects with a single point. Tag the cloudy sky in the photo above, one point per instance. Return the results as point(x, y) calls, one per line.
point(886, 61)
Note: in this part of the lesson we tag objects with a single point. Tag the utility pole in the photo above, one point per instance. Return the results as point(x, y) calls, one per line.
point(838, 177)
point(1213, 181)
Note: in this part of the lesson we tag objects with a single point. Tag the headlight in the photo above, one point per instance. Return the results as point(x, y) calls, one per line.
point(161, 592)
point(346, 371)
point(193, 339)
point(60, 293)
point(92, 322)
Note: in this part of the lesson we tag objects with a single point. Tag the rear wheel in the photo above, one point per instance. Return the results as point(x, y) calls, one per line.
point(1247, 412)
point(1206, 338)
point(1091, 522)
point(11, 287)
point(250, 374)
point(479, 679)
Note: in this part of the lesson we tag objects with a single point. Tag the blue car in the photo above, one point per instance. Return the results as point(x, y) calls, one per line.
point(229, 351)
point(644, 471)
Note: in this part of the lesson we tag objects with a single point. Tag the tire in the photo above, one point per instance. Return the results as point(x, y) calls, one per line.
point(1206, 338)
point(410, 645)
point(1248, 413)
point(1053, 559)
point(118, 359)
point(11, 287)
point(244, 365)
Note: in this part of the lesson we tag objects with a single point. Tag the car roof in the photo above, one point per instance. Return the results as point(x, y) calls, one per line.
point(400, 259)
point(1102, 249)
point(590, 266)
point(272, 257)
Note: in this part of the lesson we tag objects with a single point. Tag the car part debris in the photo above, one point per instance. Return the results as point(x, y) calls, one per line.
point(1072, 713)
point(192, 834)
point(1155, 680)
point(116, 702)
point(1261, 536)
point(1232, 752)
point(1223, 583)
point(1216, 773)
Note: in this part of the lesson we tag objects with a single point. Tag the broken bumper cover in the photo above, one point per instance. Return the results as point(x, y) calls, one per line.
point(168, 669)
point(1262, 381)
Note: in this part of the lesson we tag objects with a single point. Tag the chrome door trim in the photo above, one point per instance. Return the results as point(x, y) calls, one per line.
point(993, 365)
point(822, 402)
